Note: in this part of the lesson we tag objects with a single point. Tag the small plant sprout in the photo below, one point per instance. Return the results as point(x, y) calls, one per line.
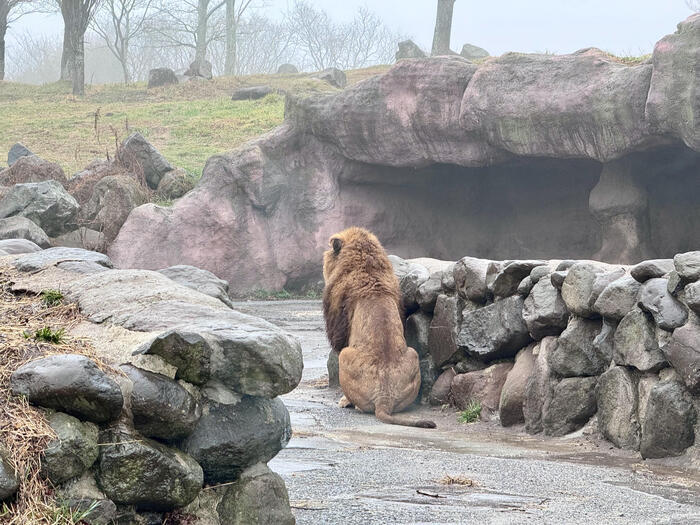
point(48, 335)
point(51, 297)
point(471, 413)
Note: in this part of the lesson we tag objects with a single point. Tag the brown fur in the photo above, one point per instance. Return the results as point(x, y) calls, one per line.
point(361, 306)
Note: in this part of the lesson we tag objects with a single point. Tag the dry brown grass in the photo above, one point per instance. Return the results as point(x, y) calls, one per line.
point(24, 430)
point(456, 480)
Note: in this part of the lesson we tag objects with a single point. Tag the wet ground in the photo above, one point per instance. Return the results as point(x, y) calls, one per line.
point(344, 467)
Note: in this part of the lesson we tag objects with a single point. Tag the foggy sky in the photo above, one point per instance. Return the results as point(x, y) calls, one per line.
point(624, 27)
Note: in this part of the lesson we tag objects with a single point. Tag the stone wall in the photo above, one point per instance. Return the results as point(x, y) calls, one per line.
point(553, 345)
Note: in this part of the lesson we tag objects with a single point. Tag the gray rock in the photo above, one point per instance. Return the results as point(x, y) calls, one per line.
point(332, 366)
point(417, 332)
point(162, 408)
point(668, 425)
point(428, 292)
point(468, 364)
point(18, 227)
point(539, 387)
point(258, 496)
point(409, 283)
point(45, 203)
point(144, 473)
point(636, 344)
point(508, 279)
point(84, 238)
point(409, 49)
point(230, 438)
point(252, 93)
point(683, 353)
point(444, 330)
point(653, 269)
point(69, 383)
point(557, 279)
point(510, 407)
point(55, 256)
point(201, 280)
point(161, 77)
point(16, 152)
point(575, 353)
point(9, 483)
point(73, 451)
point(668, 312)
point(675, 283)
point(95, 512)
point(17, 247)
point(617, 400)
point(139, 155)
point(577, 288)
point(175, 184)
point(692, 296)
point(565, 265)
point(470, 279)
point(572, 405)
point(539, 272)
point(429, 373)
point(334, 76)
point(201, 68)
point(618, 298)
point(525, 286)
point(287, 69)
point(472, 52)
point(495, 331)
point(601, 282)
point(646, 383)
point(440, 393)
point(448, 279)
point(688, 265)
point(544, 310)
point(81, 267)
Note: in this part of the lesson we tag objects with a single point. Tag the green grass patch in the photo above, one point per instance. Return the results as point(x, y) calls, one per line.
point(471, 413)
point(47, 335)
point(51, 297)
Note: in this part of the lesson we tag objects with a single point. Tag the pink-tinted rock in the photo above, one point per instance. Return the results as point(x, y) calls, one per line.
point(440, 393)
point(483, 386)
point(510, 408)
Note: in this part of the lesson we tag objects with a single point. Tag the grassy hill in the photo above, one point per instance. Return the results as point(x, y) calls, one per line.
point(187, 122)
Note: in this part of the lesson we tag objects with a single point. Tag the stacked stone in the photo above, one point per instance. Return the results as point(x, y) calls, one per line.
point(197, 406)
point(549, 344)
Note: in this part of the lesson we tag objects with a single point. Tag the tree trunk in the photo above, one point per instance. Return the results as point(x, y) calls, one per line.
point(443, 28)
point(231, 33)
point(3, 29)
point(79, 67)
point(202, 19)
point(67, 57)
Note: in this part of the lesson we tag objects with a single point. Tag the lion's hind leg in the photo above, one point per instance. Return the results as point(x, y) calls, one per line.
point(355, 379)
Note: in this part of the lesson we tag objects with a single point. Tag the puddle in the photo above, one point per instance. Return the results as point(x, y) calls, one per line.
point(313, 443)
point(285, 467)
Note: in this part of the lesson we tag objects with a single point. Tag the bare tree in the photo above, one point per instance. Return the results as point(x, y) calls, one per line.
point(118, 23)
point(235, 9)
point(693, 5)
point(443, 28)
point(187, 23)
point(10, 11)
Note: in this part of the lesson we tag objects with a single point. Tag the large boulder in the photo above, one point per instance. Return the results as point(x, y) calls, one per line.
point(440, 393)
point(495, 331)
point(483, 386)
point(230, 438)
point(45, 203)
point(9, 482)
point(444, 329)
point(161, 407)
point(83, 238)
point(174, 185)
point(112, 200)
point(70, 383)
point(287, 69)
point(539, 387)
point(257, 496)
point(18, 227)
point(572, 404)
point(472, 52)
point(139, 155)
point(578, 287)
point(544, 310)
point(200, 68)
point(56, 256)
point(200, 280)
point(667, 311)
point(31, 168)
point(617, 401)
point(17, 246)
point(17, 151)
point(507, 280)
point(575, 353)
point(334, 76)
point(510, 407)
point(668, 425)
point(470, 279)
point(428, 292)
point(137, 471)
point(409, 49)
point(411, 277)
point(418, 332)
point(636, 344)
point(161, 77)
point(652, 269)
point(688, 265)
point(683, 353)
point(73, 451)
point(252, 92)
point(618, 298)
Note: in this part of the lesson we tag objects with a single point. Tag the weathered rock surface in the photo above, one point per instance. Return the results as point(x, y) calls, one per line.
point(617, 400)
point(495, 331)
point(652, 269)
point(411, 276)
point(73, 451)
point(84, 238)
point(483, 386)
point(544, 310)
point(409, 49)
point(30, 168)
point(139, 155)
point(601, 282)
point(636, 344)
point(688, 265)
point(575, 354)
point(417, 332)
point(17, 247)
point(577, 287)
point(668, 312)
point(444, 330)
point(538, 390)
point(200, 280)
point(230, 438)
point(287, 69)
point(258, 496)
point(45, 203)
point(429, 373)
point(17, 151)
point(334, 76)
point(472, 52)
point(668, 425)
point(252, 93)
point(440, 393)
point(510, 407)
point(162, 408)
point(18, 227)
point(470, 278)
point(683, 353)
point(142, 472)
point(572, 405)
point(618, 298)
point(508, 279)
point(200, 68)
point(55, 256)
point(9, 484)
point(428, 292)
point(333, 367)
point(69, 383)
point(174, 185)
point(161, 77)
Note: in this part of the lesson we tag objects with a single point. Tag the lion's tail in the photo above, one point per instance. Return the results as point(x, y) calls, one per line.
point(384, 416)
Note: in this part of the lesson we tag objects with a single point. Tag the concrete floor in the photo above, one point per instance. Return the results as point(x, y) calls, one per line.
point(344, 467)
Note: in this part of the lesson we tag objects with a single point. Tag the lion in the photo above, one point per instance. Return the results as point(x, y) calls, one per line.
point(362, 308)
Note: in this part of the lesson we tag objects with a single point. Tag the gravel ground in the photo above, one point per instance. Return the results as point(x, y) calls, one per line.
point(344, 467)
